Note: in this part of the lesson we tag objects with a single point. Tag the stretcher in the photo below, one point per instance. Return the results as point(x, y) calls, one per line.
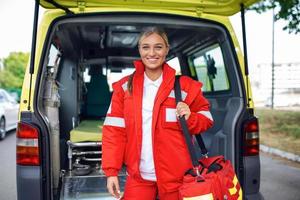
point(84, 178)
point(84, 148)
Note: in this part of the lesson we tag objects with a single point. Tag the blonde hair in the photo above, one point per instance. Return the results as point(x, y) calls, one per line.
point(154, 29)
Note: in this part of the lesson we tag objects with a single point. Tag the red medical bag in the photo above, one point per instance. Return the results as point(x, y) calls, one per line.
point(212, 178)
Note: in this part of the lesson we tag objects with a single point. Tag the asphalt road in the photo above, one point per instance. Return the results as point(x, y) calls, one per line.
point(8, 167)
point(279, 179)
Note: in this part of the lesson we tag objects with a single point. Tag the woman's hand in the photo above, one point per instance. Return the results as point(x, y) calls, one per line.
point(182, 109)
point(113, 186)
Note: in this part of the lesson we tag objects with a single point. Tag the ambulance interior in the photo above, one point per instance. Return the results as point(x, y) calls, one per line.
point(86, 55)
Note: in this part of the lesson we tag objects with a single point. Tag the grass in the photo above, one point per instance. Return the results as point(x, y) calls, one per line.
point(280, 129)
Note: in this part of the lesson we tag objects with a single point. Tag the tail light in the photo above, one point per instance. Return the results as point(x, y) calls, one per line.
point(27, 145)
point(251, 137)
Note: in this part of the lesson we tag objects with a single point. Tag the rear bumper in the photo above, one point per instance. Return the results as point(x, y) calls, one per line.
point(252, 178)
point(28, 182)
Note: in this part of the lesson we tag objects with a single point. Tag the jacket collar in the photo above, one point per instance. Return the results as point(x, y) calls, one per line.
point(139, 67)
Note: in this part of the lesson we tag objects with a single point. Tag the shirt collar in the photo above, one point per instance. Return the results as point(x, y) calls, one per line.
point(148, 81)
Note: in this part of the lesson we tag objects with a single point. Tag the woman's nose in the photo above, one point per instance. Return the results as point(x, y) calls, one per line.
point(152, 52)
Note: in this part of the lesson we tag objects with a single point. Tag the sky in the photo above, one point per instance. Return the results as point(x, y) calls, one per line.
point(16, 21)
point(259, 39)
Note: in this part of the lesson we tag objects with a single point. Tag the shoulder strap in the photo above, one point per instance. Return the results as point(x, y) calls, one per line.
point(182, 121)
point(183, 124)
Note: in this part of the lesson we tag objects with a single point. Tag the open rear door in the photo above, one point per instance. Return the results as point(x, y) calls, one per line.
point(217, 7)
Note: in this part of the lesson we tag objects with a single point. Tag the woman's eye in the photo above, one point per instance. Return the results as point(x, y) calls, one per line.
point(158, 47)
point(145, 47)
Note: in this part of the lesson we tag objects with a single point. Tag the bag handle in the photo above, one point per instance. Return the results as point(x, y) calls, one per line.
point(185, 129)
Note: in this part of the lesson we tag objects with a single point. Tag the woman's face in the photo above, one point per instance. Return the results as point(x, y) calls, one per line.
point(153, 51)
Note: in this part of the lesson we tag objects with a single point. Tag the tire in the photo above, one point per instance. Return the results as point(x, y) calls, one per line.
point(2, 129)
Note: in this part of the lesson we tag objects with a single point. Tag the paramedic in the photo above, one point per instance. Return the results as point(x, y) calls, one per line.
point(141, 129)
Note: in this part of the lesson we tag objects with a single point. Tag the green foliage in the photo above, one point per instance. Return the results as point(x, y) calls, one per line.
point(288, 10)
point(292, 129)
point(285, 122)
point(14, 69)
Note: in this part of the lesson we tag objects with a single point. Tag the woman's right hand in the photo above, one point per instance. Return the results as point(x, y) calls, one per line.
point(113, 186)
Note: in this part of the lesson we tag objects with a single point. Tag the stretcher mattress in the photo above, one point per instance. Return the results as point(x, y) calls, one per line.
point(87, 130)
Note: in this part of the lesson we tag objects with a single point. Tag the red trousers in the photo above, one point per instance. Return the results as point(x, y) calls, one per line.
point(145, 190)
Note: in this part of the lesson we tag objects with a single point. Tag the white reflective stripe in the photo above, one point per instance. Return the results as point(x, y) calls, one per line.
point(109, 109)
point(183, 94)
point(114, 121)
point(171, 115)
point(27, 142)
point(207, 114)
point(172, 94)
point(124, 86)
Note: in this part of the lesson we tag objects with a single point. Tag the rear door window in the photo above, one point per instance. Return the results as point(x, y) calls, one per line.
point(209, 68)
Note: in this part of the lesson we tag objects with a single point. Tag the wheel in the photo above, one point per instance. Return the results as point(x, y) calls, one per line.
point(2, 128)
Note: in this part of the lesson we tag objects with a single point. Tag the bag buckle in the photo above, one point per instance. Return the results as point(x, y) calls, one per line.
point(197, 171)
point(205, 155)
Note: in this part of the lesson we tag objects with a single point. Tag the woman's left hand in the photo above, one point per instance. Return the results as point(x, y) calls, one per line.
point(182, 109)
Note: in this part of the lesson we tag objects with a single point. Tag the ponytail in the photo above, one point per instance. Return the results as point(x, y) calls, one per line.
point(129, 83)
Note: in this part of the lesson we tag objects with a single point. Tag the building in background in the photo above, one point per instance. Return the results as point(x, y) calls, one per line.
point(286, 84)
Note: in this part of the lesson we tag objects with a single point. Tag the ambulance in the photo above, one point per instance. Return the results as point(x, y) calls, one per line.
point(81, 47)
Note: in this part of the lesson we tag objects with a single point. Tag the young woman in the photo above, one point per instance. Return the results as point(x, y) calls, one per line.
point(141, 128)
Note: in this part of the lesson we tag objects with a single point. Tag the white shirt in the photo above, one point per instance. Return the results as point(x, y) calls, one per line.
point(149, 93)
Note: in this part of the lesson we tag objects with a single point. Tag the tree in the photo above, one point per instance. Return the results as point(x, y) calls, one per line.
point(289, 10)
point(13, 70)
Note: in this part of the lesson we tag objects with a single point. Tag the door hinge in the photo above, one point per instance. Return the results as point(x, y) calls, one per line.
point(199, 11)
point(81, 6)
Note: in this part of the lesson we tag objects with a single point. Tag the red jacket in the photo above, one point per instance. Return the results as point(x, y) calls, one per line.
point(122, 130)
